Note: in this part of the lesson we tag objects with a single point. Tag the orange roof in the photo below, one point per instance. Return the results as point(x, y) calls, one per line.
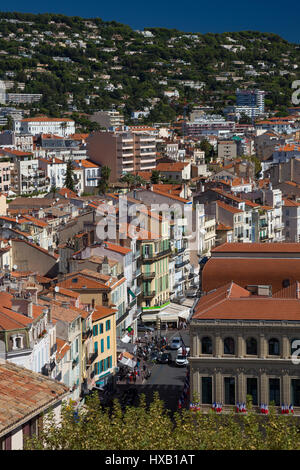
point(123, 250)
point(67, 193)
point(176, 166)
point(87, 164)
point(258, 248)
point(228, 208)
point(46, 119)
point(291, 203)
point(24, 393)
point(102, 312)
point(231, 302)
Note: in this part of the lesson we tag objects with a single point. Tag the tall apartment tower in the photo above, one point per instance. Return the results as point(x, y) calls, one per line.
point(122, 151)
point(252, 98)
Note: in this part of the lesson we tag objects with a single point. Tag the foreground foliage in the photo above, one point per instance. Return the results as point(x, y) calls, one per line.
point(152, 428)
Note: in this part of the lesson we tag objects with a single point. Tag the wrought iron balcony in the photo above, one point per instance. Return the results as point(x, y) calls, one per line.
point(148, 275)
point(92, 357)
point(149, 295)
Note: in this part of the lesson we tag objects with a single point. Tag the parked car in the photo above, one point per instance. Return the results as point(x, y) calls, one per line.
point(164, 358)
point(175, 343)
point(181, 360)
point(145, 328)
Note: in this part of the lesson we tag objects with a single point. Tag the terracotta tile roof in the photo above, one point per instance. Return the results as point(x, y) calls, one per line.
point(62, 348)
point(78, 281)
point(223, 227)
point(250, 271)
point(176, 166)
point(65, 314)
point(291, 203)
point(37, 222)
point(171, 196)
point(123, 250)
point(233, 302)
point(24, 393)
point(46, 119)
point(102, 312)
point(258, 248)
point(229, 208)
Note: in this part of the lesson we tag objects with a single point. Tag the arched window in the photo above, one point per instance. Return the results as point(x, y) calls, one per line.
point(206, 345)
point(228, 346)
point(251, 346)
point(274, 347)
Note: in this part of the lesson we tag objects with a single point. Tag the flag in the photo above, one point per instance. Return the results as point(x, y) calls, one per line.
point(214, 406)
point(237, 407)
point(179, 403)
point(291, 409)
point(244, 410)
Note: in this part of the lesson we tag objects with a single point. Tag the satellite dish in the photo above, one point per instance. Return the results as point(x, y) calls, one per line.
point(15, 267)
point(56, 288)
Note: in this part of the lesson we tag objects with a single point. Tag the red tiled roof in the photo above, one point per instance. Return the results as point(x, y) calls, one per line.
point(24, 393)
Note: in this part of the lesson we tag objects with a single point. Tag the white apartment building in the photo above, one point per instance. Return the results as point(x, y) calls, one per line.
point(291, 220)
point(55, 170)
point(45, 125)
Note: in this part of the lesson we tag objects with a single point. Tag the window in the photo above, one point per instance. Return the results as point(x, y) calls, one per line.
point(102, 345)
point(251, 346)
point(274, 391)
point(228, 346)
point(206, 390)
point(295, 392)
point(252, 389)
point(100, 328)
point(95, 330)
point(274, 347)
point(229, 385)
point(96, 346)
point(107, 325)
point(206, 345)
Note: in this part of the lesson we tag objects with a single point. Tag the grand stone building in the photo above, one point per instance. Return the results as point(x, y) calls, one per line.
point(242, 344)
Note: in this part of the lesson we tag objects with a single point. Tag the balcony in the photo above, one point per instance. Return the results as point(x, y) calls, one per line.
point(53, 349)
point(87, 334)
point(137, 273)
point(181, 264)
point(148, 295)
point(91, 358)
point(75, 362)
point(137, 255)
point(147, 276)
point(138, 291)
point(278, 227)
point(156, 256)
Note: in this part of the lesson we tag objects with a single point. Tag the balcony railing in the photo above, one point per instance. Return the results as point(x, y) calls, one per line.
point(148, 275)
point(92, 357)
point(181, 264)
point(53, 349)
point(155, 256)
point(87, 334)
point(149, 295)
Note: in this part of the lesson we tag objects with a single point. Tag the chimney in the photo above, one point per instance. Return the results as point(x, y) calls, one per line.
point(30, 309)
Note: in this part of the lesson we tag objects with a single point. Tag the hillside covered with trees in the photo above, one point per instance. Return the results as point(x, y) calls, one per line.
point(83, 65)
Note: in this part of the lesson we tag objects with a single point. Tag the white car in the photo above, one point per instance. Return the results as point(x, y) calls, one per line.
point(181, 360)
point(175, 343)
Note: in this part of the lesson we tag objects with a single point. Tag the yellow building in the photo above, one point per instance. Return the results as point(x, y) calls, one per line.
point(104, 345)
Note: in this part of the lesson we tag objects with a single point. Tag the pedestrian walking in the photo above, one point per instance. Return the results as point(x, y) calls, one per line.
point(134, 378)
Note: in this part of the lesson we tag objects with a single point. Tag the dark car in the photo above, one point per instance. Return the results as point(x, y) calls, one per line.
point(148, 329)
point(164, 358)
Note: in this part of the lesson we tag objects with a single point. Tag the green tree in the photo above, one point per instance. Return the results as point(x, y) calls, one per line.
point(152, 428)
point(70, 179)
point(103, 184)
point(155, 177)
